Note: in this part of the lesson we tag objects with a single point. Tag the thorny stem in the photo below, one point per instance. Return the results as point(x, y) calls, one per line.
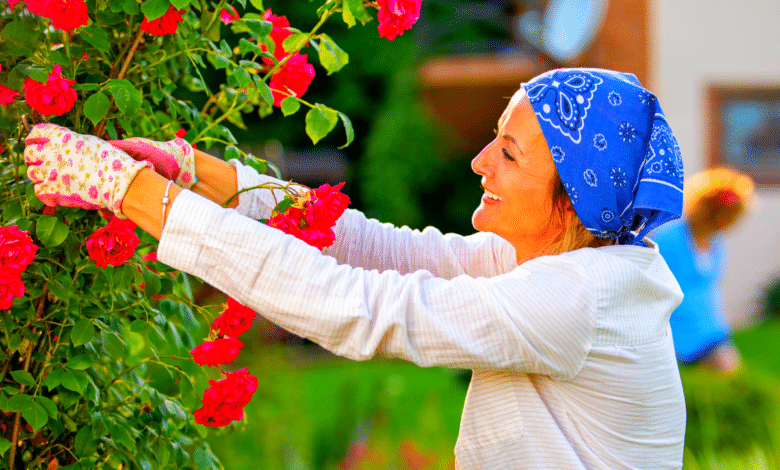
point(100, 128)
point(25, 367)
point(285, 188)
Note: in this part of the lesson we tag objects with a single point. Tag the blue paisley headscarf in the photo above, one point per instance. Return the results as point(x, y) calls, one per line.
point(614, 150)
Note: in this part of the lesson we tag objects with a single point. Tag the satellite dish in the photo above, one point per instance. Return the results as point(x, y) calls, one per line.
point(566, 27)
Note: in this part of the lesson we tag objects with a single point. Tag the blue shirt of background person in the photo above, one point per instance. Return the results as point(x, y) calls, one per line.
point(698, 324)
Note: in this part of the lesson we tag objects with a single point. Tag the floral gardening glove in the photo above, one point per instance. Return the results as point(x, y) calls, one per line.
point(74, 170)
point(174, 159)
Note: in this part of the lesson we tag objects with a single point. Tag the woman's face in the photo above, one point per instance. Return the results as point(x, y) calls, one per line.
point(517, 175)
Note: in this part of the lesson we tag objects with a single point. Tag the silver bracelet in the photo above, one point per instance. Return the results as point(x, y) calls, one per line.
point(165, 201)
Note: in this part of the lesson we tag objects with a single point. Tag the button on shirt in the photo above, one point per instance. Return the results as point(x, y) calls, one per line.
point(572, 356)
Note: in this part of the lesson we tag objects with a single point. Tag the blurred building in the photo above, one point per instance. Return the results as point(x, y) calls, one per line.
point(715, 66)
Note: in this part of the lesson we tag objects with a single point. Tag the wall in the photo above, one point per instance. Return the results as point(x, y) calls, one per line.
point(694, 43)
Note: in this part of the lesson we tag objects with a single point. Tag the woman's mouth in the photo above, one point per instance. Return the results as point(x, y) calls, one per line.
point(490, 198)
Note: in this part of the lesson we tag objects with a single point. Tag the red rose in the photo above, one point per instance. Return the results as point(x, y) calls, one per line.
point(327, 205)
point(287, 224)
point(397, 16)
point(293, 78)
point(113, 244)
point(227, 17)
point(165, 24)
point(217, 415)
point(7, 94)
point(17, 249)
point(36, 7)
point(11, 286)
point(236, 388)
point(65, 14)
point(181, 133)
point(56, 96)
point(279, 33)
point(318, 237)
point(234, 320)
point(219, 351)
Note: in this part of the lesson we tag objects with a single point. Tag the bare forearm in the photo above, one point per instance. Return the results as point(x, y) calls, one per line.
point(143, 201)
point(216, 179)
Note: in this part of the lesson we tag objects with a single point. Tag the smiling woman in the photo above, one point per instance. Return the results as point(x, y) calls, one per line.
point(568, 339)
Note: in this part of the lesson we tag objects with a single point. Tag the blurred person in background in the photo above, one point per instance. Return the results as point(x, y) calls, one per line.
point(559, 305)
point(695, 250)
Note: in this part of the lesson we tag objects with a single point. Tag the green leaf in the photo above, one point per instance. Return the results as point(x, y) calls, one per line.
point(180, 4)
point(206, 19)
point(259, 28)
point(113, 344)
point(320, 120)
point(51, 231)
point(35, 414)
point(219, 61)
point(257, 4)
point(203, 458)
point(256, 163)
point(348, 128)
point(231, 152)
point(138, 326)
point(242, 77)
point(290, 105)
point(295, 40)
point(264, 90)
point(4, 445)
point(96, 107)
point(17, 402)
point(354, 9)
point(332, 57)
point(48, 405)
point(19, 37)
point(54, 378)
point(84, 444)
point(120, 434)
point(187, 318)
point(23, 377)
point(151, 283)
point(74, 381)
point(153, 9)
point(97, 37)
point(79, 362)
point(127, 97)
point(82, 332)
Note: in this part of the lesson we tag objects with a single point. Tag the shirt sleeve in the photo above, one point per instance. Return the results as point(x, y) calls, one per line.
point(539, 318)
point(369, 244)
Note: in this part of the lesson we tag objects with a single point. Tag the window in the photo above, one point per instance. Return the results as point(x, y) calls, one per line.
point(744, 130)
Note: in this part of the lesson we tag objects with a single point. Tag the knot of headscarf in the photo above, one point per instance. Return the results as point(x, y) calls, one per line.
point(614, 151)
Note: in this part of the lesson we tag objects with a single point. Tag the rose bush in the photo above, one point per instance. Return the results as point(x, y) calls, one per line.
point(96, 355)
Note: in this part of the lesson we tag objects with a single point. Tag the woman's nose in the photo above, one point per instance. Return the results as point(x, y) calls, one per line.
point(481, 163)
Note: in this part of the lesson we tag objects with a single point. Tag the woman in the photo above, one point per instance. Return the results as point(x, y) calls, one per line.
point(715, 200)
point(559, 305)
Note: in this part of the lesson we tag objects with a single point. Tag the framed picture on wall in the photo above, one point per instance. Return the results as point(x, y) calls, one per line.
point(744, 130)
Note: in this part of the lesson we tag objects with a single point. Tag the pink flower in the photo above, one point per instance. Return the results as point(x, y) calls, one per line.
point(397, 16)
point(165, 24)
point(7, 95)
point(292, 79)
point(65, 14)
point(17, 249)
point(11, 286)
point(113, 244)
point(117, 165)
point(93, 192)
point(234, 320)
point(66, 180)
point(56, 96)
point(219, 351)
point(228, 17)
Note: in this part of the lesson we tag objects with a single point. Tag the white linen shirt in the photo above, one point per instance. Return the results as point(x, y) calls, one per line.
point(572, 355)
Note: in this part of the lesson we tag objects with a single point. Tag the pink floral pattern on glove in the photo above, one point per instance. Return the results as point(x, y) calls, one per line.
point(74, 170)
point(174, 159)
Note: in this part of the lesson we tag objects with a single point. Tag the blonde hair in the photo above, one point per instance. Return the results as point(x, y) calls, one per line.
point(721, 194)
point(573, 235)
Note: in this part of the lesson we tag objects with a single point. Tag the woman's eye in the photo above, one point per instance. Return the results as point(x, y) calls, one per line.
point(507, 155)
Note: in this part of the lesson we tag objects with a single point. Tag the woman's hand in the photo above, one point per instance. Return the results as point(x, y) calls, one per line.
point(174, 159)
point(74, 170)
